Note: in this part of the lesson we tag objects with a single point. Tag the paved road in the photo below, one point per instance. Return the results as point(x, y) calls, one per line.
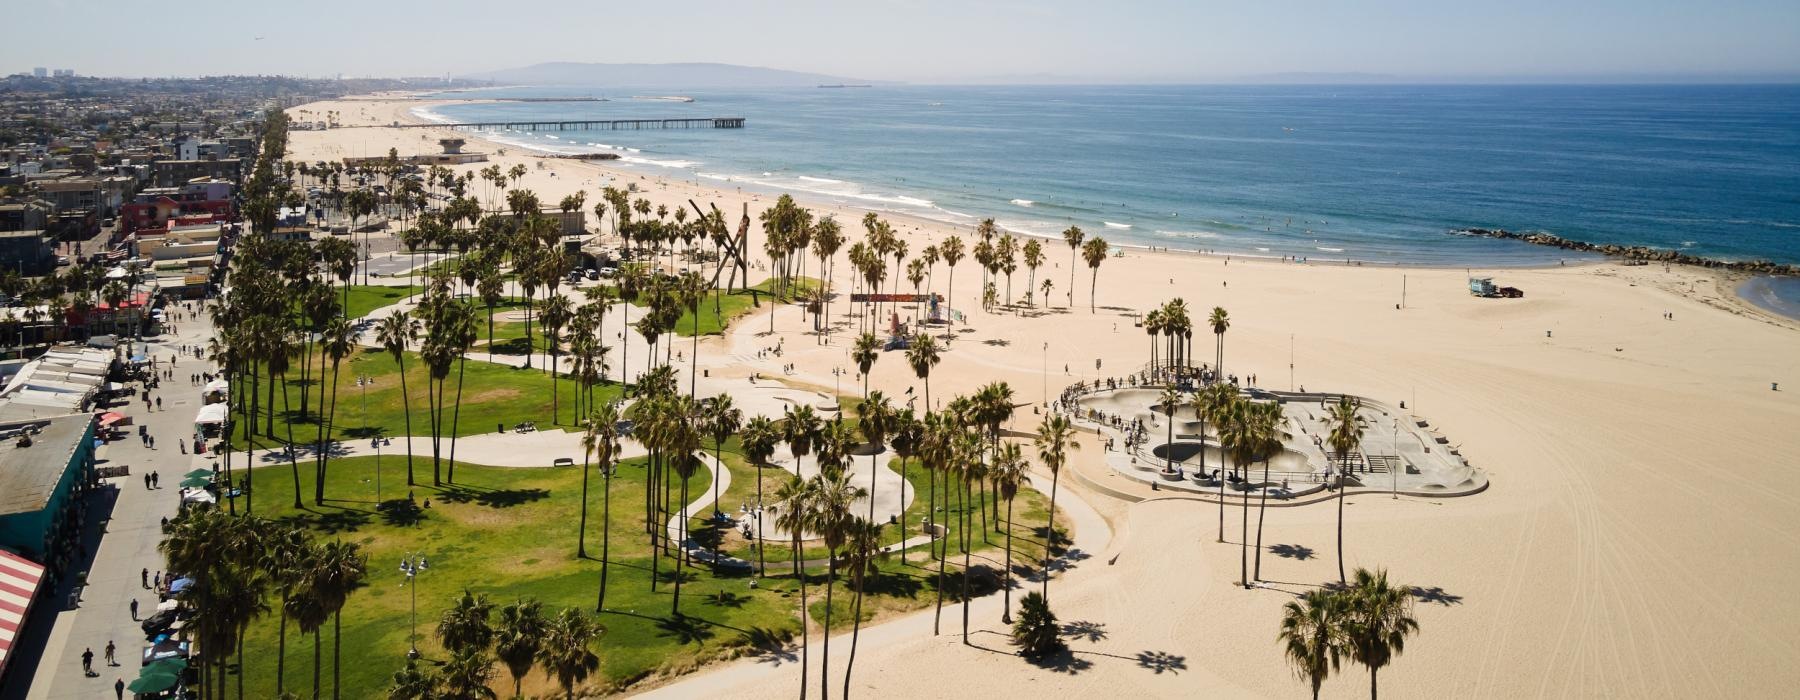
point(124, 529)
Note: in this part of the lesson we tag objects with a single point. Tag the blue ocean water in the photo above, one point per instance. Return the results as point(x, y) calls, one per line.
point(1371, 173)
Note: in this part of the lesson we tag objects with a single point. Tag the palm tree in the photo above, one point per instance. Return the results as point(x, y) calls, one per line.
point(1170, 400)
point(283, 549)
point(565, 653)
point(952, 250)
point(1209, 404)
point(1345, 438)
point(862, 548)
point(340, 571)
point(922, 354)
point(396, 332)
point(467, 674)
point(831, 519)
point(1093, 253)
point(465, 625)
point(875, 417)
point(556, 313)
point(339, 341)
point(1312, 631)
point(410, 683)
point(1008, 473)
point(1267, 418)
point(758, 441)
point(793, 513)
point(722, 421)
point(1055, 440)
point(308, 607)
point(520, 637)
point(1073, 236)
point(602, 441)
point(970, 449)
point(1220, 322)
point(1378, 621)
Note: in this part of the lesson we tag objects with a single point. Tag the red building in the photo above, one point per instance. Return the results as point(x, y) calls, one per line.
point(154, 207)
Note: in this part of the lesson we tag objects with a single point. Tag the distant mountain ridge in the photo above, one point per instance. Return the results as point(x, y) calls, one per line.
point(662, 75)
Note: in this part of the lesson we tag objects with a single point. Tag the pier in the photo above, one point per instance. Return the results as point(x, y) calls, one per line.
point(593, 124)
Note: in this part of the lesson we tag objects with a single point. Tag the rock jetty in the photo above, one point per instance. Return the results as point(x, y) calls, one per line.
point(1636, 252)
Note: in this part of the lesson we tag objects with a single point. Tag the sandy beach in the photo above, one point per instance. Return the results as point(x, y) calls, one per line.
point(1636, 541)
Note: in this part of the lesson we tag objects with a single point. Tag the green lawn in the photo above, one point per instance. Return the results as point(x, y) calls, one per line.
point(713, 321)
point(492, 394)
point(363, 300)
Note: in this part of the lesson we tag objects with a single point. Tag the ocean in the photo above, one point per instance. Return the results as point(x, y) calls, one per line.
point(1382, 174)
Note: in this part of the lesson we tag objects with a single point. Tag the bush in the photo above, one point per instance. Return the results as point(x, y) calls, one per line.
point(1036, 632)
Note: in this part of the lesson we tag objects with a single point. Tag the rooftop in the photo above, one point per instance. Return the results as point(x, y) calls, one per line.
point(29, 475)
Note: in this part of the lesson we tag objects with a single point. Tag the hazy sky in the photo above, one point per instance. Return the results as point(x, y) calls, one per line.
point(917, 40)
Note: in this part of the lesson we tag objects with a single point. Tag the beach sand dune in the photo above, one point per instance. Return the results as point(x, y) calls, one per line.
point(1640, 538)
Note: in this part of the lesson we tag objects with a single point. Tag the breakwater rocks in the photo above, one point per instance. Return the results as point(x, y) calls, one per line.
point(1636, 252)
point(586, 156)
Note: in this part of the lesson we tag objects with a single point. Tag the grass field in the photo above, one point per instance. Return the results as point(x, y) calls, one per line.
point(491, 394)
point(363, 300)
point(511, 533)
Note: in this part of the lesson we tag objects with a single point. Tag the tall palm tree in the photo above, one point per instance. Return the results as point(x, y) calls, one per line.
point(1312, 635)
point(971, 449)
point(875, 417)
point(1008, 473)
point(339, 341)
point(1170, 400)
point(283, 549)
point(519, 638)
point(722, 420)
point(831, 519)
point(396, 332)
point(340, 571)
point(1209, 404)
point(758, 441)
point(923, 354)
point(1093, 253)
point(793, 513)
point(1345, 439)
point(1268, 418)
point(952, 250)
point(309, 607)
point(601, 441)
point(862, 548)
point(410, 683)
point(566, 654)
point(1073, 236)
point(1379, 621)
point(555, 315)
point(1055, 440)
point(1220, 322)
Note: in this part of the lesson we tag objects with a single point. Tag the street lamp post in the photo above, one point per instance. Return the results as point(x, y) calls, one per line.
point(412, 565)
point(363, 383)
point(1398, 461)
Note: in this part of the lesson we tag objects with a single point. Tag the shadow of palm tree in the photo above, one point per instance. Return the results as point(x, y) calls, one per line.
point(1292, 551)
point(401, 512)
point(1436, 594)
point(1160, 661)
point(727, 599)
point(685, 630)
point(1086, 630)
point(496, 498)
point(767, 644)
point(1061, 661)
point(331, 522)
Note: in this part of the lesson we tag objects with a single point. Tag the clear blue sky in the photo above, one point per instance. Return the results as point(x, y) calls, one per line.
point(921, 40)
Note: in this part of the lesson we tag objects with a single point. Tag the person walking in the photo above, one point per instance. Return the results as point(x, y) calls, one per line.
point(155, 480)
point(146, 481)
point(134, 614)
point(110, 650)
point(87, 662)
point(119, 689)
point(144, 576)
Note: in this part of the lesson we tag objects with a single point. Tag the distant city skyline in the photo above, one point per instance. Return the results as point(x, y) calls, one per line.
point(939, 41)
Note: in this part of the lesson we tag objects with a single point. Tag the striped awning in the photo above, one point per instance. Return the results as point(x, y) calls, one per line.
point(19, 579)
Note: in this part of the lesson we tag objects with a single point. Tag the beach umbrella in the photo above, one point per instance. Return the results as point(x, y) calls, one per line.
point(195, 482)
point(153, 683)
point(200, 472)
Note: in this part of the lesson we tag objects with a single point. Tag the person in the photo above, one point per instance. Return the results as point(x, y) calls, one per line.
point(144, 576)
point(156, 581)
point(87, 662)
point(119, 689)
point(134, 614)
point(146, 480)
point(155, 479)
point(110, 650)
point(182, 443)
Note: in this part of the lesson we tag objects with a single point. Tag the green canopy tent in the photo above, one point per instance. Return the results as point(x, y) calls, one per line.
point(153, 682)
point(195, 482)
point(200, 472)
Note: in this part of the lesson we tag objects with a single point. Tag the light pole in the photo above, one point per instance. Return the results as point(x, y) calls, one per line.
point(413, 565)
point(1045, 376)
point(837, 374)
point(1398, 461)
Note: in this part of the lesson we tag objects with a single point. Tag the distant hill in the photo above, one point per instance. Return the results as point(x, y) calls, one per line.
point(661, 75)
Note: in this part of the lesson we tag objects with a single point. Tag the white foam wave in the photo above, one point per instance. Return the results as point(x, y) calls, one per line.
point(1188, 234)
point(824, 180)
point(1110, 224)
point(679, 164)
point(1023, 202)
point(1328, 249)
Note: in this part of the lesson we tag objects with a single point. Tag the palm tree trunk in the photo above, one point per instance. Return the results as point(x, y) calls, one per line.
point(825, 651)
point(1340, 524)
point(1262, 510)
point(762, 561)
point(855, 633)
point(1244, 544)
point(966, 563)
point(324, 450)
point(605, 535)
point(406, 403)
point(281, 650)
point(1050, 533)
point(318, 659)
point(937, 622)
point(1091, 289)
point(681, 547)
point(337, 646)
point(1006, 610)
point(462, 363)
point(581, 530)
point(804, 615)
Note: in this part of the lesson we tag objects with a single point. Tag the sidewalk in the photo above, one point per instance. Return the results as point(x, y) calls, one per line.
point(123, 532)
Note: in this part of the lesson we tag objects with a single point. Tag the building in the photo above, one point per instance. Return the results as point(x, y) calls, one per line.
point(174, 173)
point(29, 215)
point(25, 252)
point(40, 72)
point(154, 207)
point(46, 464)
